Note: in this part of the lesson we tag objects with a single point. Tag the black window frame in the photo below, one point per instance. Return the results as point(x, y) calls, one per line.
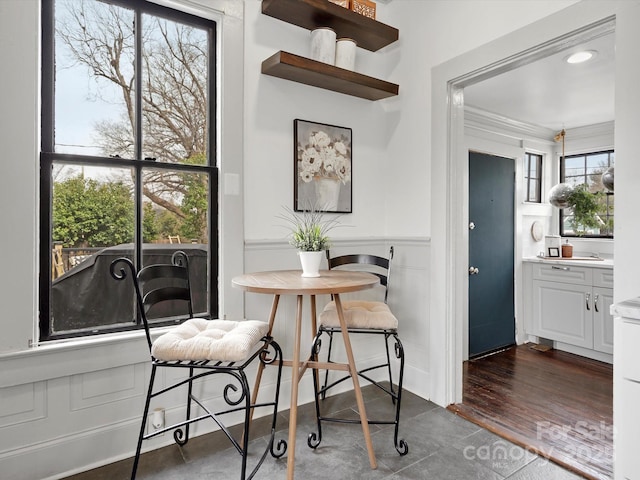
point(48, 156)
point(528, 158)
point(608, 194)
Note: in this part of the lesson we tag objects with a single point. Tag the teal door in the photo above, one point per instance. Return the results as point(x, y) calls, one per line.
point(491, 253)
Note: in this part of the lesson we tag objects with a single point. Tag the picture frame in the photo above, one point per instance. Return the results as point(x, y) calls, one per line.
point(553, 252)
point(322, 173)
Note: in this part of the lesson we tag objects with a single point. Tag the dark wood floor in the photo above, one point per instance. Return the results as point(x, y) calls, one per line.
point(554, 403)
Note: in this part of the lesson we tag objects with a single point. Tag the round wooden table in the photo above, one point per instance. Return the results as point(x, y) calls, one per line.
point(290, 282)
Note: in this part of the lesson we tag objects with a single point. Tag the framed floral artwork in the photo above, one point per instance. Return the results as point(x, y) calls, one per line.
point(322, 170)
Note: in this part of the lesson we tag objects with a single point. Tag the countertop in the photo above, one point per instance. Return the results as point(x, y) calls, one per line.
point(629, 309)
point(577, 261)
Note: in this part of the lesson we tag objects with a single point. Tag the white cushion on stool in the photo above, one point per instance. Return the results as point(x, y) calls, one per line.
point(202, 339)
point(360, 314)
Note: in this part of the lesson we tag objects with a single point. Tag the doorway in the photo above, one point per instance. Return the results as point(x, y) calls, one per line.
point(491, 253)
point(449, 174)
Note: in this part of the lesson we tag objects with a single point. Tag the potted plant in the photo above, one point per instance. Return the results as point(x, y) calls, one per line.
point(309, 234)
point(585, 207)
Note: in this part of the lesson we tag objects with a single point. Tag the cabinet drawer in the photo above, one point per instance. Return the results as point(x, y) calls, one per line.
point(603, 277)
point(563, 273)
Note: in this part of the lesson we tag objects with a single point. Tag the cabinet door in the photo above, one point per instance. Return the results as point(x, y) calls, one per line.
point(563, 312)
point(602, 319)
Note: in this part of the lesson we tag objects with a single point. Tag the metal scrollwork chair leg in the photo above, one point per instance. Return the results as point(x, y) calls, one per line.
point(401, 446)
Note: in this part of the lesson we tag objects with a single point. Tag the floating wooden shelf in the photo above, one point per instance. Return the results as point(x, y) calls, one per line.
point(311, 72)
point(310, 14)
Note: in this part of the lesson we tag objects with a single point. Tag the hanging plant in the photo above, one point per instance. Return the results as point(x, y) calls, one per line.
point(585, 208)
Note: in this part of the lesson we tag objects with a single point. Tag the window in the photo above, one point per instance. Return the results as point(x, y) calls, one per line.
point(533, 177)
point(587, 169)
point(127, 162)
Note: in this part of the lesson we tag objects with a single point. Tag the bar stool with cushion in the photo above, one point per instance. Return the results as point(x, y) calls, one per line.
point(202, 347)
point(362, 317)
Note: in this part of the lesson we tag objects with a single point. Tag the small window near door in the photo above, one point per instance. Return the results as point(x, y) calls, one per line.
point(533, 177)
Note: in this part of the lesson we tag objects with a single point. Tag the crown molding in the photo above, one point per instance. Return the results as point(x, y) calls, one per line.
point(590, 131)
point(480, 119)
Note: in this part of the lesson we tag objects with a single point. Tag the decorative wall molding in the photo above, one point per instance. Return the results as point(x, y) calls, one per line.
point(279, 244)
point(483, 120)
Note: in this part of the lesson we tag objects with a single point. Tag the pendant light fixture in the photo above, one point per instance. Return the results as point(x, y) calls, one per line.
point(559, 194)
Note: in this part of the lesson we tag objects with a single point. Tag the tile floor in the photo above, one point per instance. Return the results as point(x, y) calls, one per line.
point(441, 446)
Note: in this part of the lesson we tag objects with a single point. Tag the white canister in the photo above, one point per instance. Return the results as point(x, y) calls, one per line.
point(323, 45)
point(346, 53)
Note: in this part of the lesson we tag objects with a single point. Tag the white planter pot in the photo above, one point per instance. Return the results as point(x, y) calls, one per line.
point(310, 262)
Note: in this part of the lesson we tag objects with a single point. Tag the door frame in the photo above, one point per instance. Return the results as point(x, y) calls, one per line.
point(487, 147)
point(449, 171)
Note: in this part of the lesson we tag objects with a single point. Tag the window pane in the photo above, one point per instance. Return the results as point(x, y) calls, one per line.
point(596, 166)
point(574, 166)
point(587, 169)
point(94, 88)
point(176, 218)
point(175, 76)
point(534, 191)
point(93, 223)
point(567, 228)
point(533, 165)
point(574, 180)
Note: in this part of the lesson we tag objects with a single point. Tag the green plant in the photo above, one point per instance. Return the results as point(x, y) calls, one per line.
point(585, 207)
point(309, 229)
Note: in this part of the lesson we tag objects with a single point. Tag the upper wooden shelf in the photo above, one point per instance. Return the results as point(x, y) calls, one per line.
point(310, 14)
point(311, 72)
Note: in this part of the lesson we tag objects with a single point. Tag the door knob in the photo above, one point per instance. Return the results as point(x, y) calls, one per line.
point(472, 225)
point(473, 270)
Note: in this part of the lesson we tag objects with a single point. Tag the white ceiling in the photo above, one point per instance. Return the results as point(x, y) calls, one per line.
point(552, 93)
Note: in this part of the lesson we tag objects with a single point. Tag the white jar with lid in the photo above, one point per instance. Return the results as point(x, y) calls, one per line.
point(323, 45)
point(346, 53)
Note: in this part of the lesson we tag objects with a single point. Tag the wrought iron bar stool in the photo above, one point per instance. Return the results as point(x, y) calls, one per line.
point(201, 348)
point(362, 317)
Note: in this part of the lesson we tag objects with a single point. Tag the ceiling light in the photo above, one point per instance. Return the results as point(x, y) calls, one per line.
point(580, 57)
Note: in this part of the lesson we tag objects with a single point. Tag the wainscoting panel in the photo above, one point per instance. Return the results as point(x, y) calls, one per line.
point(106, 386)
point(22, 403)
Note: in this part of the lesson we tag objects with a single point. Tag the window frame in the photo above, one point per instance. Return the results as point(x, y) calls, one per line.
point(610, 152)
point(527, 178)
point(48, 157)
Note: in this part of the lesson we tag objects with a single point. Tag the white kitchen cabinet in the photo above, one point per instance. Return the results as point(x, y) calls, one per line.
point(562, 311)
point(570, 304)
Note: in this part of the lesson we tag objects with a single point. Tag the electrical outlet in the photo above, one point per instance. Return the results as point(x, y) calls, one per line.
point(157, 418)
